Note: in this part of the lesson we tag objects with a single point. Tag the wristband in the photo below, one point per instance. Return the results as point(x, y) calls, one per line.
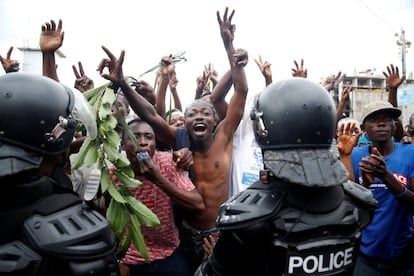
point(403, 193)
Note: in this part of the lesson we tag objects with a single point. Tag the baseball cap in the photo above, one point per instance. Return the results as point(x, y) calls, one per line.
point(379, 106)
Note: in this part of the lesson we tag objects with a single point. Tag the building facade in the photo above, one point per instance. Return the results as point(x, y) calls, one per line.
point(367, 88)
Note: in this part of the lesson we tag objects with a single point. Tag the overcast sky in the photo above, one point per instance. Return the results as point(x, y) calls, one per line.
point(330, 35)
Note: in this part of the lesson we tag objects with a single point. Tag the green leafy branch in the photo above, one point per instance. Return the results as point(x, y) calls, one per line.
point(125, 213)
point(177, 58)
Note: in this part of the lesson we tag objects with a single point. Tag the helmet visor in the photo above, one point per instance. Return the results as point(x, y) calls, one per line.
point(82, 111)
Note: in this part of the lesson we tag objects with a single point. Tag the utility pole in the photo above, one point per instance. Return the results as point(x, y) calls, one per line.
point(404, 44)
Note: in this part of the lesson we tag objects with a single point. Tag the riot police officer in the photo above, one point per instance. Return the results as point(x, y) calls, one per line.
point(303, 217)
point(46, 230)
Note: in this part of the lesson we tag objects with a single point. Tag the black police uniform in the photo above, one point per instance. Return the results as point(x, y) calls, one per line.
point(264, 230)
point(45, 228)
point(303, 217)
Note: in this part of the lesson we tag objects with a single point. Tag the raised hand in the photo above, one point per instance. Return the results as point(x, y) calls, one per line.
point(226, 28)
point(51, 37)
point(9, 65)
point(168, 66)
point(146, 90)
point(348, 136)
point(82, 82)
point(264, 67)
point(299, 71)
point(212, 73)
point(115, 73)
point(212, 76)
point(393, 76)
point(202, 85)
point(346, 91)
point(332, 81)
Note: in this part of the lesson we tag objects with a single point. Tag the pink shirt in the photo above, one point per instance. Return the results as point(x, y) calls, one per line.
point(163, 240)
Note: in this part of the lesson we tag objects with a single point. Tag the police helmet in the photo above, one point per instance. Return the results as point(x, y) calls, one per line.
point(40, 114)
point(294, 123)
point(294, 113)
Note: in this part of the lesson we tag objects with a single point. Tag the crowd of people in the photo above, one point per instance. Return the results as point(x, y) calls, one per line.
point(282, 184)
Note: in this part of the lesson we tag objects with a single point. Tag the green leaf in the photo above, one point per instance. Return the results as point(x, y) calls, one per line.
point(143, 213)
point(108, 97)
point(124, 244)
point(127, 170)
point(115, 194)
point(80, 157)
point(92, 154)
point(137, 238)
point(126, 180)
point(117, 215)
point(151, 69)
point(105, 179)
point(105, 112)
point(125, 192)
point(112, 138)
point(109, 123)
point(94, 93)
point(123, 163)
point(95, 101)
point(111, 152)
point(104, 150)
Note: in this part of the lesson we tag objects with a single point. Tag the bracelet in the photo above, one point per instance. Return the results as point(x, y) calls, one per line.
point(403, 193)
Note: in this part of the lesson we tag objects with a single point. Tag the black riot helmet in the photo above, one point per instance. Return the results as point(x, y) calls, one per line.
point(41, 115)
point(294, 113)
point(294, 124)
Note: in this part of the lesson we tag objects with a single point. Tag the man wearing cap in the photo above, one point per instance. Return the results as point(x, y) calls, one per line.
point(387, 169)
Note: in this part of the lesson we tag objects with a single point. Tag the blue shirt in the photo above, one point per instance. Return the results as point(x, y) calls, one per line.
point(390, 229)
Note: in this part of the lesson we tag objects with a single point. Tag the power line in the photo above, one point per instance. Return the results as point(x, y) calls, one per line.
point(394, 32)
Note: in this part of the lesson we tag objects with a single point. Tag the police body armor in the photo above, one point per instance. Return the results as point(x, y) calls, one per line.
point(47, 230)
point(279, 228)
